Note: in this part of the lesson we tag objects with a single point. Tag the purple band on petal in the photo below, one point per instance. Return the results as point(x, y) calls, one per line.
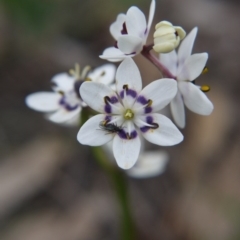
point(71, 108)
point(122, 134)
point(144, 129)
point(129, 92)
point(66, 105)
point(149, 120)
point(142, 100)
point(113, 99)
point(108, 108)
point(148, 109)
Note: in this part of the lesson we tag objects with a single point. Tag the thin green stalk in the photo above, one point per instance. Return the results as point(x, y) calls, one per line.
point(120, 185)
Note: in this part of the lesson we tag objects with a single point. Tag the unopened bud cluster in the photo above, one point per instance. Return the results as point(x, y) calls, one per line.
point(167, 37)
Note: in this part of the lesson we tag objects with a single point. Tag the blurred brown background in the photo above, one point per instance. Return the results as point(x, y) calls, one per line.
point(50, 186)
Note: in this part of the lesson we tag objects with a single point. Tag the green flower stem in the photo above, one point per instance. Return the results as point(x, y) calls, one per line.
point(120, 185)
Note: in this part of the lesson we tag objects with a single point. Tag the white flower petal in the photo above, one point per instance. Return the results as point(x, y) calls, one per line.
point(43, 101)
point(93, 94)
point(195, 99)
point(169, 60)
point(117, 26)
point(186, 46)
point(113, 54)
point(64, 82)
point(91, 134)
point(126, 151)
point(129, 44)
point(63, 115)
point(128, 74)
point(149, 164)
point(73, 122)
point(193, 67)
point(161, 92)
point(104, 74)
point(166, 134)
point(135, 22)
point(150, 16)
point(178, 111)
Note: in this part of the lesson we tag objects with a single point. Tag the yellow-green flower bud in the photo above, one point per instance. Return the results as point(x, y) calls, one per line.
point(167, 37)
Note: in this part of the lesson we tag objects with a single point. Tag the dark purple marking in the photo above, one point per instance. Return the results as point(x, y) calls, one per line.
point(71, 108)
point(148, 109)
point(124, 29)
point(62, 101)
point(149, 119)
point(129, 92)
point(122, 94)
point(115, 44)
point(142, 100)
point(67, 106)
point(113, 99)
point(133, 134)
point(122, 134)
point(144, 129)
point(108, 108)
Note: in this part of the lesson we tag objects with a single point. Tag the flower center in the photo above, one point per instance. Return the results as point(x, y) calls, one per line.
point(128, 115)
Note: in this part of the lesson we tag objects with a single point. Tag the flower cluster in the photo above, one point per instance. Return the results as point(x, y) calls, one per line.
point(64, 104)
point(127, 111)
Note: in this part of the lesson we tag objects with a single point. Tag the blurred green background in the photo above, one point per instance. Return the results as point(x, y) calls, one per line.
point(50, 186)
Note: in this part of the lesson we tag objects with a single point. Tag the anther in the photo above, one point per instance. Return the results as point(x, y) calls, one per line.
point(155, 125)
point(107, 99)
point(205, 70)
point(61, 92)
point(125, 87)
point(205, 88)
point(149, 104)
point(128, 136)
point(103, 73)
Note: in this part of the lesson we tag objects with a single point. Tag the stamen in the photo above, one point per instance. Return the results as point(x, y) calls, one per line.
point(155, 126)
point(61, 92)
point(103, 73)
point(205, 70)
point(128, 136)
point(125, 87)
point(85, 71)
point(149, 104)
point(205, 88)
point(128, 114)
point(75, 72)
point(107, 99)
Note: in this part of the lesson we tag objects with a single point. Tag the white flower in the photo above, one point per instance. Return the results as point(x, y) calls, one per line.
point(149, 164)
point(128, 112)
point(186, 68)
point(167, 37)
point(64, 104)
point(130, 31)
